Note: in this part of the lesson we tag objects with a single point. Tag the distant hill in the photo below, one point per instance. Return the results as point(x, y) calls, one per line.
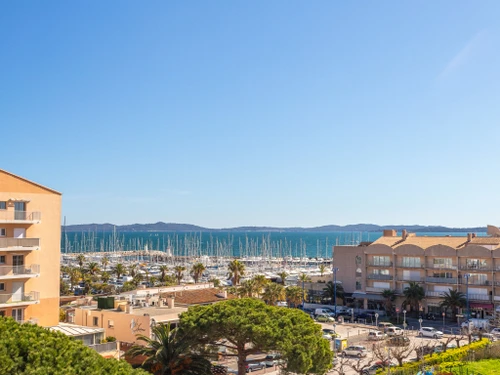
point(174, 227)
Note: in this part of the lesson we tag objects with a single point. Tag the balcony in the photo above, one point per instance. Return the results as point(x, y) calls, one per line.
point(380, 264)
point(375, 290)
point(19, 299)
point(19, 244)
point(442, 266)
point(463, 281)
point(434, 294)
point(476, 268)
point(106, 347)
point(441, 280)
point(479, 297)
point(19, 272)
point(410, 278)
point(19, 217)
point(403, 265)
point(376, 276)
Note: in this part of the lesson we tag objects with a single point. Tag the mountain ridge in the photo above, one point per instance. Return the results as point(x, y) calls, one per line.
point(180, 227)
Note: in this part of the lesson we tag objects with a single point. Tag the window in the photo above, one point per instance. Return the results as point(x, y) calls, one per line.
point(111, 324)
point(358, 285)
point(2, 259)
point(2, 286)
point(476, 264)
point(3, 205)
point(381, 272)
point(443, 275)
point(442, 263)
point(17, 315)
point(410, 262)
point(381, 260)
point(2, 313)
point(95, 321)
point(3, 232)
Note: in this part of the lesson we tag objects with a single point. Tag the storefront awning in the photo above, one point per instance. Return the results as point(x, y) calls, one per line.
point(373, 297)
point(486, 306)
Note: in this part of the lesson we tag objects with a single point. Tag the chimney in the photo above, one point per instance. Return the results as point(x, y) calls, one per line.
point(469, 237)
point(473, 235)
point(389, 233)
point(404, 234)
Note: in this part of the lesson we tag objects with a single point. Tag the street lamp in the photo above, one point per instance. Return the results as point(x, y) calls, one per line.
point(444, 314)
point(467, 275)
point(404, 320)
point(376, 319)
point(420, 322)
point(335, 269)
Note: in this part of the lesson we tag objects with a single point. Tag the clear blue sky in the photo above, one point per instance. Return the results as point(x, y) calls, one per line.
point(282, 113)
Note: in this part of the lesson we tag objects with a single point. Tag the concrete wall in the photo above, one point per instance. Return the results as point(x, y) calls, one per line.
point(48, 203)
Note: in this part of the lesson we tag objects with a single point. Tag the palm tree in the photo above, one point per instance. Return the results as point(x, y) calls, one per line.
point(153, 280)
point(260, 282)
point(163, 270)
point(304, 278)
point(322, 269)
point(414, 293)
point(104, 262)
point(105, 276)
point(80, 258)
point(453, 299)
point(389, 296)
point(273, 293)
point(283, 275)
point(93, 268)
point(74, 276)
point(169, 353)
point(137, 279)
point(248, 288)
point(236, 270)
point(215, 281)
point(119, 270)
point(197, 271)
point(294, 295)
point(329, 291)
point(179, 273)
point(132, 270)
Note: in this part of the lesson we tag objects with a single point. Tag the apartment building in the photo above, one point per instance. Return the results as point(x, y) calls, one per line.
point(30, 237)
point(470, 264)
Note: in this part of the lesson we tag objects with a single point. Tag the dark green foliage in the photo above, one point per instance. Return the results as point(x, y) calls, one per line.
point(32, 350)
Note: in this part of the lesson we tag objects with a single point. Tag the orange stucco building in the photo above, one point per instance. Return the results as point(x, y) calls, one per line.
point(30, 237)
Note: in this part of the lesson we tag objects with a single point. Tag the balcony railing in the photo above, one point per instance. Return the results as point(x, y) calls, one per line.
point(375, 276)
point(410, 278)
point(17, 298)
point(404, 265)
point(442, 266)
point(24, 270)
point(434, 294)
point(441, 280)
point(106, 347)
point(8, 244)
point(376, 290)
point(380, 264)
point(463, 281)
point(479, 297)
point(8, 216)
point(476, 268)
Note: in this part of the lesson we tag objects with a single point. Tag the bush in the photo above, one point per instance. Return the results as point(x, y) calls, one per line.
point(32, 350)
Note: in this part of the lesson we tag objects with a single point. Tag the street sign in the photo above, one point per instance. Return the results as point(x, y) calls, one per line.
point(405, 325)
point(459, 316)
point(397, 309)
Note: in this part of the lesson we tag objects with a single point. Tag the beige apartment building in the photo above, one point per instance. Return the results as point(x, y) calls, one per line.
point(30, 237)
point(470, 264)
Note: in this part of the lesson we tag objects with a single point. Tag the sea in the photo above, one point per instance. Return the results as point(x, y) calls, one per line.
point(230, 244)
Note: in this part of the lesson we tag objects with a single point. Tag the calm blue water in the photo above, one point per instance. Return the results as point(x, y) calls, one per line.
point(277, 244)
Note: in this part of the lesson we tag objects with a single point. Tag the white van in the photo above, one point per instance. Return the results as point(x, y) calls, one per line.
point(323, 312)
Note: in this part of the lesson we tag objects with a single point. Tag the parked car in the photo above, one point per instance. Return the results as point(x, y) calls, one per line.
point(489, 336)
point(394, 331)
point(399, 341)
point(495, 331)
point(327, 336)
point(255, 366)
point(440, 347)
point(272, 360)
point(376, 335)
point(331, 332)
point(430, 332)
point(372, 370)
point(223, 369)
point(384, 325)
point(355, 350)
point(324, 318)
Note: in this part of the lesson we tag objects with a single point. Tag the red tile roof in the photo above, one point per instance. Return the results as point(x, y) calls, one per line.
point(198, 297)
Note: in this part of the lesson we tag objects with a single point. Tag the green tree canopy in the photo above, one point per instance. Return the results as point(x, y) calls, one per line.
point(248, 326)
point(32, 350)
point(414, 293)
